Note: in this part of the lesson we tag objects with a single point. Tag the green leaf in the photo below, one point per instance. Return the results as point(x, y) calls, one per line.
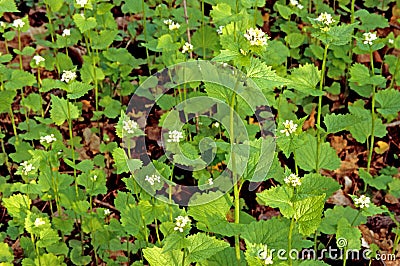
point(394, 187)
point(155, 256)
point(202, 247)
point(205, 40)
point(33, 102)
point(8, 6)
point(361, 131)
point(308, 213)
point(84, 24)
point(305, 79)
point(59, 110)
point(273, 232)
point(6, 254)
point(20, 79)
point(316, 185)
point(17, 206)
point(263, 75)
point(55, 5)
point(122, 163)
point(295, 39)
point(278, 197)
point(221, 13)
point(370, 21)
point(351, 234)
point(389, 101)
point(77, 89)
point(276, 53)
point(216, 208)
point(224, 257)
point(306, 155)
point(330, 221)
point(359, 74)
point(112, 108)
point(6, 100)
point(336, 123)
point(378, 182)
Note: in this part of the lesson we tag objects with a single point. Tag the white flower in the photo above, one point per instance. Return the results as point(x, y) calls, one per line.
point(27, 168)
point(300, 6)
point(293, 180)
point(290, 127)
point(210, 181)
point(362, 202)
point(81, 3)
point(181, 222)
point(174, 136)
point(171, 24)
point(152, 179)
point(107, 212)
point(369, 37)
point(18, 23)
point(216, 124)
point(66, 32)
point(38, 59)
point(256, 37)
point(94, 178)
point(2, 24)
point(129, 126)
point(48, 139)
point(325, 19)
point(296, 4)
point(68, 76)
point(187, 47)
point(39, 221)
point(219, 30)
point(391, 41)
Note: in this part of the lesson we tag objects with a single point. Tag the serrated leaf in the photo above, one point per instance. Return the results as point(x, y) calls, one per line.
point(263, 75)
point(308, 213)
point(306, 155)
point(122, 163)
point(55, 5)
point(278, 197)
point(295, 39)
point(218, 208)
point(5, 253)
point(6, 100)
point(59, 110)
point(202, 247)
point(389, 102)
point(155, 256)
point(316, 185)
point(359, 74)
point(305, 79)
point(335, 123)
point(84, 24)
point(224, 257)
point(112, 108)
point(19, 79)
point(205, 40)
point(370, 21)
point(394, 187)
point(17, 206)
point(8, 6)
point(77, 89)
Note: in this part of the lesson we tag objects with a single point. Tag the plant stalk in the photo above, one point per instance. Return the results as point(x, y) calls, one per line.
point(371, 145)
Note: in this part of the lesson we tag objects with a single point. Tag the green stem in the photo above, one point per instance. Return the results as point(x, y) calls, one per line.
point(396, 69)
point(20, 50)
point(292, 223)
point(145, 35)
point(170, 194)
point(157, 233)
point(371, 146)
point(71, 137)
point(321, 86)
point(10, 112)
point(39, 80)
point(203, 31)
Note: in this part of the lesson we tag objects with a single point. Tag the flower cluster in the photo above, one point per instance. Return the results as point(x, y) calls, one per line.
point(38, 222)
point(38, 59)
point(187, 47)
point(81, 3)
point(296, 3)
point(152, 179)
point(171, 24)
point(290, 127)
point(174, 136)
point(293, 180)
point(27, 168)
point(66, 32)
point(129, 126)
point(181, 222)
point(48, 139)
point(362, 202)
point(326, 20)
point(369, 37)
point(210, 181)
point(18, 23)
point(256, 37)
point(107, 212)
point(68, 76)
